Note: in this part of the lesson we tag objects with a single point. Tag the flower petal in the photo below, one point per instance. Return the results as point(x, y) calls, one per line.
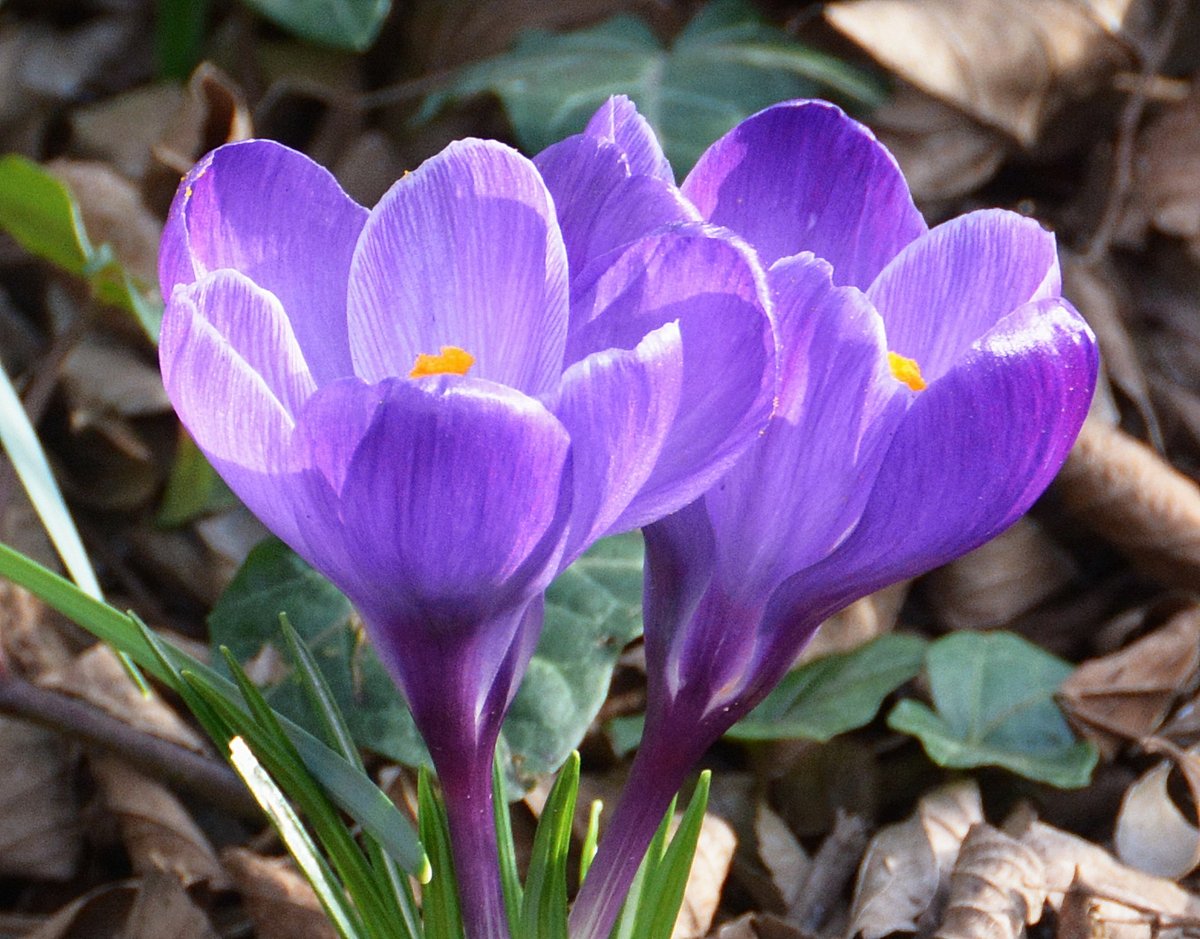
point(453, 499)
point(802, 176)
point(280, 219)
point(618, 406)
point(972, 454)
point(945, 290)
point(464, 251)
point(236, 376)
point(712, 286)
point(600, 205)
point(618, 122)
point(802, 485)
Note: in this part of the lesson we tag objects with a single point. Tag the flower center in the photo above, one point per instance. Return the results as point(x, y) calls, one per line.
point(450, 361)
point(904, 370)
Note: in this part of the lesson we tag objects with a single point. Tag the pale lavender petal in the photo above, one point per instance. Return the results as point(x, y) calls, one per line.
point(464, 251)
point(237, 384)
point(971, 455)
point(802, 485)
point(945, 290)
point(618, 122)
point(802, 176)
point(712, 286)
point(618, 406)
point(453, 494)
point(600, 205)
point(280, 219)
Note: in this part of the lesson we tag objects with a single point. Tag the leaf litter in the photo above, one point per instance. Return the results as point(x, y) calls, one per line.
point(1083, 114)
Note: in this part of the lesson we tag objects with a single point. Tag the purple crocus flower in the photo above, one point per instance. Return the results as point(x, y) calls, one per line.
point(932, 382)
point(416, 401)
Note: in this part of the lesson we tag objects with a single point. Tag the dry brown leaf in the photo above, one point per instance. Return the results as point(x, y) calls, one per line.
point(759, 926)
point(98, 677)
point(944, 154)
point(1166, 188)
point(279, 900)
point(122, 129)
point(1011, 64)
point(163, 910)
point(40, 833)
point(157, 831)
point(114, 214)
point(996, 888)
point(28, 633)
point(781, 854)
point(831, 870)
point(213, 112)
point(1070, 860)
point(896, 882)
point(858, 623)
point(1127, 695)
point(99, 912)
point(1136, 501)
point(702, 896)
point(103, 378)
point(947, 815)
point(997, 582)
point(1152, 834)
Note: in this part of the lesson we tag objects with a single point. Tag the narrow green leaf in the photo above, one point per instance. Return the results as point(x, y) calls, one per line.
point(296, 839)
point(443, 919)
point(993, 697)
point(343, 24)
point(352, 791)
point(544, 910)
point(639, 890)
point(179, 27)
point(510, 878)
point(591, 839)
point(663, 894)
point(834, 694)
point(320, 696)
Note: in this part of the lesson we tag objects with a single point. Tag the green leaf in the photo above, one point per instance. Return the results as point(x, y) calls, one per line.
point(836, 693)
point(343, 24)
point(439, 902)
point(663, 894)
point(592, 611)
point(296, 839)
point(40, 213)
point(993, 697)
point(726, 65)
point(544, 908)
point(193, 488)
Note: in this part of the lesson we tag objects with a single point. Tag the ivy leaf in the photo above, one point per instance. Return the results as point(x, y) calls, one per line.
point(726, 65)
point(343, 24)
point(993, 705)
point(836, 693)
point(592, 610)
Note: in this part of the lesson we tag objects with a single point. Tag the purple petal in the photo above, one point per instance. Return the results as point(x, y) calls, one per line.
point(465, 252)
point(802, 176)
point(237, 378)
point(600, 205)
point(945, 290)
point(803, 484)
point(712, 286)
point(453, 499)
point(618, 406)
point(276, 216)
point(618, 122)
point(972, 454)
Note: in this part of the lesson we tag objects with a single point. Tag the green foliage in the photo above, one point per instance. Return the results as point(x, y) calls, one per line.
point(592, 611)
point(723, 67)
point(40, 213)
point(343, 24)
point(993, 705)
point(836, 693)
point(193, 487)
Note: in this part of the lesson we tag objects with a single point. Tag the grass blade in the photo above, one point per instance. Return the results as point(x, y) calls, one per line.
point(544, 910)
point(443, 919)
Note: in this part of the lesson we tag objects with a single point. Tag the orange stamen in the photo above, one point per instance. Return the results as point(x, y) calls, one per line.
point(450, 361)
point(907, 371)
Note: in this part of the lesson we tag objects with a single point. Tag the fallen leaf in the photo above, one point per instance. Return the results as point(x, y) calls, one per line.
point(759, 926)
point(948, 814)
point(996, 888)
point(1011, 64)
point(829, 873)
point(99, 912)
point(710, 867)
point(1152, 834)
point(121, 129)
point(163, 910)
point(781, 854)
point(40, 833)
point(1127, 695)
point(897, 881)
point(157, 831)
point(997, 582)
point(1166, 189)
point(279, 900)
point(1135, 500)
point(858, 623)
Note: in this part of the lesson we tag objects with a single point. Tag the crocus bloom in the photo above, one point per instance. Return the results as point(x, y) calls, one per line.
point(418, 403)
point(932, 382)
